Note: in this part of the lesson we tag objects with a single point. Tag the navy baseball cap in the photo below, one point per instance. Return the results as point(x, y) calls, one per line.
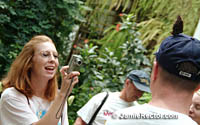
point(140, 79)
point(176, 50)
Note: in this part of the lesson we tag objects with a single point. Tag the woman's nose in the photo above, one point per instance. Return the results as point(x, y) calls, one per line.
point(52, 58)
point(191, 110)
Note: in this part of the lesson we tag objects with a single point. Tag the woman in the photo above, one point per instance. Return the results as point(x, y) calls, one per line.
point(194, 112)
point(30, 93)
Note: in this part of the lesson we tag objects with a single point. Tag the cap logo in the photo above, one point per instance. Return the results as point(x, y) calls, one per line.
point(185, 74)
point(144, 81)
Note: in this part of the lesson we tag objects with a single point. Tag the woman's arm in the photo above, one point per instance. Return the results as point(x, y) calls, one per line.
point(50, 117)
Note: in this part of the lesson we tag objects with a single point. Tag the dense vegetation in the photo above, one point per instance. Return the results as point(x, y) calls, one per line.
point(118, 36)
point(105, 69)
point(22, 19)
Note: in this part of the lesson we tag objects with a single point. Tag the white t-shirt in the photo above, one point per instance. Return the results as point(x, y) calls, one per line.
point(113, 103)
point(15, 110)
point(148, 115)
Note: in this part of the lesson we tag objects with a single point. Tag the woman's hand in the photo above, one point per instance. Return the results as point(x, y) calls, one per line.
point(67, 79)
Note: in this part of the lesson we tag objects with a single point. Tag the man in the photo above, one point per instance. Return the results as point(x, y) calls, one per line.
point(174, 78)
point(136, 83)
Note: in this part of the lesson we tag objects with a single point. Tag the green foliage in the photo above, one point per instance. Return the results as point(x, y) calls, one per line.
point(146, 97)
point(103, 69)
point(156, 18)
point(22, 19)
point(101, 5)
point(86, 87)
point(124, 41)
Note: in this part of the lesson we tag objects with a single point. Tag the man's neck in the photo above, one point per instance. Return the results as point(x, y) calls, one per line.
point(124, 97)
point(178, 102)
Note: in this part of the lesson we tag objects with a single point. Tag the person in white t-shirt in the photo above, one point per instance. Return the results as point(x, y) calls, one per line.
point(30, 92)
point(136, 83)
point(194, 112)
point(174, 78)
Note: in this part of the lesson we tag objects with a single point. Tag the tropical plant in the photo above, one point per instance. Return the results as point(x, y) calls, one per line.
point(22, 19)
point(155, 18)
point(104, 70)
point(123, 31)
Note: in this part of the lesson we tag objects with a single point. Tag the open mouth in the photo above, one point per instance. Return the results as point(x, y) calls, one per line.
point(50, 69)
point(190, 114)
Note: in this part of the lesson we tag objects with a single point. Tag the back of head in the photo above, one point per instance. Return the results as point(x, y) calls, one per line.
point(179, 59)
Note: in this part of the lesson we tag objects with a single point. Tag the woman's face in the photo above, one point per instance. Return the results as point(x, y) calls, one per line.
point(194, 112)
point(45, 61)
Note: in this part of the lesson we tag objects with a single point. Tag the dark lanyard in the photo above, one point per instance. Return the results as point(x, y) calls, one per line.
point(97, 111)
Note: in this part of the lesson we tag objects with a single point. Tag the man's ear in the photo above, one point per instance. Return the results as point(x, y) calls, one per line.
point(155, 70)
point(127, 82)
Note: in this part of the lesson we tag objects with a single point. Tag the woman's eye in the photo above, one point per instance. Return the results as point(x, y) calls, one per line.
point(45, 54)
point(197, 107)
point(49, 54)
point(56, 56)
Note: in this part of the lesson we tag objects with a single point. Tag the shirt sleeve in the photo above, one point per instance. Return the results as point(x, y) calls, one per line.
point(87, 111)
point(16, 111)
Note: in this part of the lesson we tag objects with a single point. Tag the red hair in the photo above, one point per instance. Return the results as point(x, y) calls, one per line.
point(20, 71)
